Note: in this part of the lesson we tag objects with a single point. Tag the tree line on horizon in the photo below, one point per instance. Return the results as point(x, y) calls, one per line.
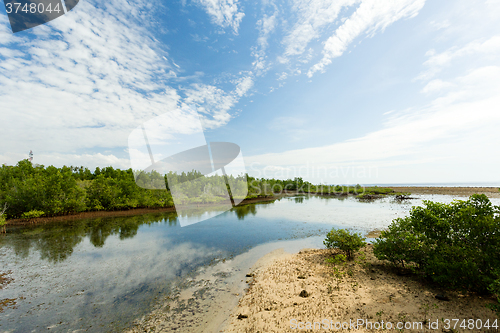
point(29, 191)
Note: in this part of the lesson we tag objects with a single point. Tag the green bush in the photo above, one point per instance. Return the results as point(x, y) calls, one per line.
point(32, 214)
point(456, 245)
point(494, 288)
point(3, 221)
point(337, 260)
point(344, 240)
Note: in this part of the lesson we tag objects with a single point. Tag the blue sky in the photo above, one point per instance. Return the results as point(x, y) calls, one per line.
point(401, 91)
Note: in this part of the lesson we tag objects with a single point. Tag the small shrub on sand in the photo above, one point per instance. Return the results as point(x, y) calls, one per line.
point(345, 241)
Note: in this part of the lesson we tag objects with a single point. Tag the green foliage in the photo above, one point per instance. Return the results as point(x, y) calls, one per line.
point(494, 288)
point(344, 240)
point(32, 214)
point(3, 221)
point(337, 260)
point(55, 191)
point(456, 245)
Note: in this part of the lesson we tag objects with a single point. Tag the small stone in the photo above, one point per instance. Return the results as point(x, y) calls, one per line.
point(304, 294)
point(301, 277)
point(242, 316)
point(249, 275)
point(442, 297)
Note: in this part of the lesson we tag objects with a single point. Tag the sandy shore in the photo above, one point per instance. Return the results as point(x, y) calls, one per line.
point(367, 290)
point(205, 301)
point(491, 192)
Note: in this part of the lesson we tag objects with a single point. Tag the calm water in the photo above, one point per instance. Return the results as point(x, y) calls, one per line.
point(100, 274)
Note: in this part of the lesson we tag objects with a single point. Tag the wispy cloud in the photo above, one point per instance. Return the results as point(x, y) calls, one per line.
point(437, 61)
point(311, 18)
point(460, 127)
point(369, 18)
point(224, 13)
point(266, 27)
point(90, 77)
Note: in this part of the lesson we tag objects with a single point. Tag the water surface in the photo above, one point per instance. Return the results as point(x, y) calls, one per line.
point(100, 274)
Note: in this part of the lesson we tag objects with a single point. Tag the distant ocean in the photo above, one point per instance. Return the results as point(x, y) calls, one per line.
point(471, 184)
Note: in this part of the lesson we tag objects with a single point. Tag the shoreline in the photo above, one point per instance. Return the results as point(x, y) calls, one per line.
point(491, 192)
point(204, 302)
point(115, 213)
point(302, 288)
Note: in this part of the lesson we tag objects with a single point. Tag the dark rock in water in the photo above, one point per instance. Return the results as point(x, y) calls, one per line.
point(304, 294)
point(249, 275)
point(242, 316)
point(442, 297)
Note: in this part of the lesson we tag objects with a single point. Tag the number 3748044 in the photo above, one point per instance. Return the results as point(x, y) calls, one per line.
point(32, 8)
point(470, 324)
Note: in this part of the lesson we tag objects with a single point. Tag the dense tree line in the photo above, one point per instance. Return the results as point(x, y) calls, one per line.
point(30, 191)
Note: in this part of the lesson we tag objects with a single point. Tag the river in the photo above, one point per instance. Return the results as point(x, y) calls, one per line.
point(101, 274)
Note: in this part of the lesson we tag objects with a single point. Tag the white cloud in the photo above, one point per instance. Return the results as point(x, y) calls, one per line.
point(312, 17)
point(370, 17)
point(266, 27)
point(59, 159)
point(460, 128)
point(243, 85)
point(436, 86)
point(437, 61)
point(223, 13)
point(87, 79)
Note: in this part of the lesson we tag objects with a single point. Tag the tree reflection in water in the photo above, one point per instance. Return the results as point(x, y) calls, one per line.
point(55, 241)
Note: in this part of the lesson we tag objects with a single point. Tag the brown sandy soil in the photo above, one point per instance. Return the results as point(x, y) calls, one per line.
point(491, 192)
point(367, 290)
point(129, 212)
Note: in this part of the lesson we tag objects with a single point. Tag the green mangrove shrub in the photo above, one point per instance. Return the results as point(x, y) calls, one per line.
point(456, 245)
point(32, 214)
point(345, 241)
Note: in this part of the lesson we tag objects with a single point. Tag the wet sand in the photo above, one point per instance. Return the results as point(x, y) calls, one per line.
point(204, 302)
point(303, 289)
point(491, 192)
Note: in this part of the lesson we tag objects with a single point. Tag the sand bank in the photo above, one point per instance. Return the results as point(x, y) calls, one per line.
point(491, 192)
point(276, 300)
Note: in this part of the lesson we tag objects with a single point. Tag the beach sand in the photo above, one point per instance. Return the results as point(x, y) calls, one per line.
point(491, 192)
point(368, 291)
